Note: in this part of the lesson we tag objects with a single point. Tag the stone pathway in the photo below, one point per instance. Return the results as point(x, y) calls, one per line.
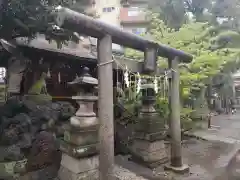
point(207, 159)
point(124, 174)
point(226, 128)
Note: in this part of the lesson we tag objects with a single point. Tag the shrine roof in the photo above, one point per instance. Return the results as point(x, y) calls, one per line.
point(85, 50)
point(81, 49)
point(76, 52)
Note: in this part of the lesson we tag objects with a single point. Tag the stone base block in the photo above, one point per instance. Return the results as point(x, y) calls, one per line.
point(79, 151)
point(158, 136)
point(149, 164)
point(78, 169)
point(66, 174)
point(79, 165)
point(181, 170)
point(81, 138)
point(149, 121)
point(142, 145)
point(151, 154)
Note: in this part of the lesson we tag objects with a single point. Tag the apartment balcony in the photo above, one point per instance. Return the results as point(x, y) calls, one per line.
point(133, 16)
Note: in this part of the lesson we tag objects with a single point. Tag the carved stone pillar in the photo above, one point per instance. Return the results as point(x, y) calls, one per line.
point(80, 144)
point(148, 146)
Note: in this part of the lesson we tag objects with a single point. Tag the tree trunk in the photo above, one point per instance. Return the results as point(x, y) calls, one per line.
point(200, 105)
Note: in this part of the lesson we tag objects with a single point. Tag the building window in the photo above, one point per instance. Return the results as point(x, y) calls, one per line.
point(139, 31)
point(133, 11)
point(108, 9)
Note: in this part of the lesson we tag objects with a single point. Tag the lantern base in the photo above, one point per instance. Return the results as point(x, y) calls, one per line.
point(81, 138)
point(79, 151)
point(150, 122)
point(181, 170)
point(150, 154)
point(158, 136)
point(78, 169)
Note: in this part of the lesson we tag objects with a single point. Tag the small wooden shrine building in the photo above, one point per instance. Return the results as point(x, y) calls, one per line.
point(63, 63)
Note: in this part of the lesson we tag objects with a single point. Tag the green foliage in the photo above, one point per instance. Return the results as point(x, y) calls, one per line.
point(197, 8)
point(173, 13)
point(133, 54)
point(227, 38)
point(2, 92)
point(186, 121)
point(162, 106)
point(198, 39)
point(226, 8)
point(26, 18)
point(131, 99)
point(214, 45)
point(215, 50)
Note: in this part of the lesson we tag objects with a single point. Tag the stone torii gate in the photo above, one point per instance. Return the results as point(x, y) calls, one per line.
point(106, 35)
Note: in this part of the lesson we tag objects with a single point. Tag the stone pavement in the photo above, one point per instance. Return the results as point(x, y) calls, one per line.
point(124, 174)
point(226, 128)
point(207, 158)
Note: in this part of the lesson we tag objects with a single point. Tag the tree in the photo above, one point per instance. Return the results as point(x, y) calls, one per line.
point(175, 13)
point(213, 48)
point(227, 9)
point(27, 17)
point(200, 9)
point(172, 12)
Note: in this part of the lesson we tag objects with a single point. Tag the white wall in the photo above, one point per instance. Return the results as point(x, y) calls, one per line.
point(109, 12)
point(109, 17)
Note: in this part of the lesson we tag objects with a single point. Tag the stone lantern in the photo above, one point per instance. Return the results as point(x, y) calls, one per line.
point(148, 146)
point(80, 144)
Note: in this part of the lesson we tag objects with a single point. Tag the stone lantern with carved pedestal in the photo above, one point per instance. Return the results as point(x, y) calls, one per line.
point(148, 145)
point(80, 144)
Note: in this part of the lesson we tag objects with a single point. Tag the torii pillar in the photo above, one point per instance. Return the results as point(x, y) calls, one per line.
point(105, 109)
point(176, 163)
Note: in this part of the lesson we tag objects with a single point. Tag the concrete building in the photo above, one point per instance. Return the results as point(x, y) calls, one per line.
point(108, 11)
point(133, 16)
point(130, 15)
